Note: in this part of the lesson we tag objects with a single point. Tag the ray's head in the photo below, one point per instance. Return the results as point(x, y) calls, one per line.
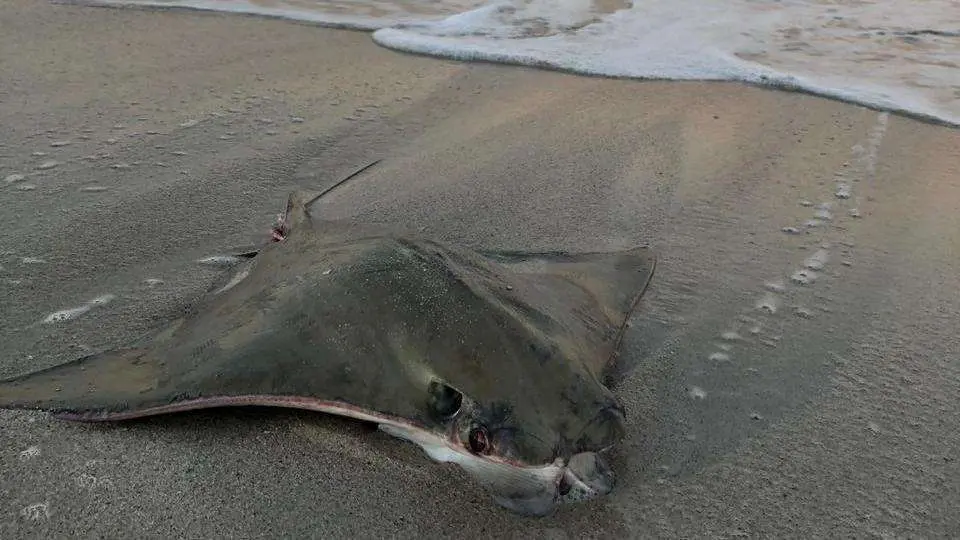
point(530, 421)
point(529, 456)
point(507, 378)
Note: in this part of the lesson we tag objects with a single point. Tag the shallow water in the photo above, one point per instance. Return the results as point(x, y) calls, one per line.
point(899, 55)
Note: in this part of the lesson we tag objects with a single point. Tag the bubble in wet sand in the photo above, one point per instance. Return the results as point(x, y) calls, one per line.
point(696, 392)
point(843, 191)
point(730, 335)
point(189, 123)
point(153, 282)
point(32, 260)
point(772, 343)
point(806, 203)
point(790, 230)
point(854, 212)
point(49, 164)
point(93, 189)
point(719, 357)
point(58, 144)
point(101, 300)
point(26, 187)
point(802, 312)
point(775, 286)
point(14, 178)
point(818, 260)
point(804, 277)
point(768, 302)
point(822, 211)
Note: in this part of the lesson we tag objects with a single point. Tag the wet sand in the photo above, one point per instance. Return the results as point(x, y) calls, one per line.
point(758, 406)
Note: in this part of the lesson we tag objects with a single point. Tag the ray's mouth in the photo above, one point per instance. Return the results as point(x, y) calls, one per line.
point(539, 491)
point(585, 477)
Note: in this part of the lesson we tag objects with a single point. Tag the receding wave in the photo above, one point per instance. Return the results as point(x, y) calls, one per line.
point(897, 55)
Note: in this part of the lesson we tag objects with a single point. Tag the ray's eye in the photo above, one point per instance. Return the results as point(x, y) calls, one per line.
point(479, 440)
point(444, 401)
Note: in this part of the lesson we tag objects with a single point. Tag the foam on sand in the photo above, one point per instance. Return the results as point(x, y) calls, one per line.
point(897, 55)
point(887, 54)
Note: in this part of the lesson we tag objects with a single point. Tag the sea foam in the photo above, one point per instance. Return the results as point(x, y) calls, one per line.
point(897, 55)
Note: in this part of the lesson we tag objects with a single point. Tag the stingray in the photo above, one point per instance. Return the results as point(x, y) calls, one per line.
point(490, 359)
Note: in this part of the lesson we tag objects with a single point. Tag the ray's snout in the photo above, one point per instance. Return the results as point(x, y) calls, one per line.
point(587, 474)
point(604, 430)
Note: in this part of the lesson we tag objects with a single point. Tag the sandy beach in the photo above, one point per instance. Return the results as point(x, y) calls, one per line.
point(788, 377)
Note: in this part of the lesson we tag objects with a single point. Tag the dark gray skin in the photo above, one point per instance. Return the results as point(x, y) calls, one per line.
point(498, 355)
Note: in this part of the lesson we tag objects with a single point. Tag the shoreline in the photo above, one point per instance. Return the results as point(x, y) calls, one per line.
point(784, 86)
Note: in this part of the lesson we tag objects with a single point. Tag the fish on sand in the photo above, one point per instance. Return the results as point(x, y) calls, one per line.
point(493, 360)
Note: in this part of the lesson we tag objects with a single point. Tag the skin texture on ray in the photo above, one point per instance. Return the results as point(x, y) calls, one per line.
point(492, 360)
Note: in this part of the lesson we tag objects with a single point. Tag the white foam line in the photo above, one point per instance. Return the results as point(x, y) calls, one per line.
point(714, 65)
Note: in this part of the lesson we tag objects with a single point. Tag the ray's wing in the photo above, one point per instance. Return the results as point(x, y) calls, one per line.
point(588, 297)
point(82, 383)
point(134, 383)
point(226, 347)
point(269, 341)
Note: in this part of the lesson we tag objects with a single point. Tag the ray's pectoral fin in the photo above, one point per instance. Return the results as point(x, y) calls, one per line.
point(616, 279)
point(103, 382)
point(591, 294)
